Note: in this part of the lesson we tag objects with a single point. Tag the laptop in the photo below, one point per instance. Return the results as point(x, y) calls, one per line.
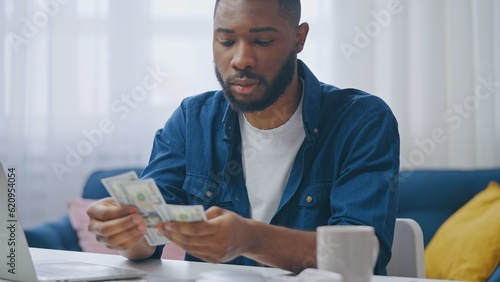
point(15, 259)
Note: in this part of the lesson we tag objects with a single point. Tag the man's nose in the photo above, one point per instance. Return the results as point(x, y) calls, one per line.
point(243, 58)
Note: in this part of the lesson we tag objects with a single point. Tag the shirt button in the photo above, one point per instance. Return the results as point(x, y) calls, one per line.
point(309, 199)
point(209, 194)
point(315, 130)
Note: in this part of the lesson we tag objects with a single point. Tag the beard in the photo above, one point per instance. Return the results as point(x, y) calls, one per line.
point(273, 90)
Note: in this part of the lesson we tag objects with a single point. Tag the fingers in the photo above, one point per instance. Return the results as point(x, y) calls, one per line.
point(107, 209)
point(121, 233)
point(215, 216)
point(115, 226)
point(192, 235)
point(206, 248)
point(188, 228)
point(186, 234)
point(212, 241)
point(210, 227)
point(214, 212)
point(124, 240)
point(209, 248)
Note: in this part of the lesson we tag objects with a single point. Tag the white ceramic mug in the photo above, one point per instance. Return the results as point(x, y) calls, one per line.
point(350, 250)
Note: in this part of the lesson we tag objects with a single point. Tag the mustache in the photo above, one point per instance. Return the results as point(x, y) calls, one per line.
point(244, 74)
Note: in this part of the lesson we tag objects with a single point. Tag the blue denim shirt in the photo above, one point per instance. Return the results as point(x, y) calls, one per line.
point(345, 172)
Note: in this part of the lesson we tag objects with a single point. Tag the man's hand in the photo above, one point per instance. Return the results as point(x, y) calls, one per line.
point(225, 236)
point(119, 228)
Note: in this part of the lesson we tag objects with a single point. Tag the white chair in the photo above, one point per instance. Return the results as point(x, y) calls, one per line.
point(407, 250)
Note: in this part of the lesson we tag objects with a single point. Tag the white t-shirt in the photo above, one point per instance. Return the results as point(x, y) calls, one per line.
point(267, 157)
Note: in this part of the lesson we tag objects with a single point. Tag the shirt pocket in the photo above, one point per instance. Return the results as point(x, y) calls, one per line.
point(314, 204)
point(201, 190)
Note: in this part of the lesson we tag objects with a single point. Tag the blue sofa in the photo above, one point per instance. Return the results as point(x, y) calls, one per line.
point(431, 196)
point(427, 196)
point(59, 234)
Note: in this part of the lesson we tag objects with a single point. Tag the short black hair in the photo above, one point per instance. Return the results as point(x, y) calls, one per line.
point(289, 10)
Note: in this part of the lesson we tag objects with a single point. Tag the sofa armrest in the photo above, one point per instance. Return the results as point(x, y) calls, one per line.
point(58, 235)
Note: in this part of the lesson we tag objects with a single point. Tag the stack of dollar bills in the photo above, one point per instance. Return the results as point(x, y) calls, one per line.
point(128, 189)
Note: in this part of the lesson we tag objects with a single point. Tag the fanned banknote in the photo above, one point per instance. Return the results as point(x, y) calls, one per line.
point(117, 194)
point(128, 189)
point(181, 213)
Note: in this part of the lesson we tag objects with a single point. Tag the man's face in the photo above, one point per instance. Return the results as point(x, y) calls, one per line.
point(254, 53)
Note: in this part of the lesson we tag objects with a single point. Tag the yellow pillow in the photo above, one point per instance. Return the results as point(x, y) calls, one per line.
point(467, 245)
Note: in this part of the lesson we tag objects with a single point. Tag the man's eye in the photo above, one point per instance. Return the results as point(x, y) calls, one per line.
point(264, 42)
point(226, 43)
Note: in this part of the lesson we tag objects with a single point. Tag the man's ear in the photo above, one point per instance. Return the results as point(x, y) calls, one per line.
point(302, 31)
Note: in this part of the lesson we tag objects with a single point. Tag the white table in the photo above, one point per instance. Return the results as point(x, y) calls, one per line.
point(172, 270)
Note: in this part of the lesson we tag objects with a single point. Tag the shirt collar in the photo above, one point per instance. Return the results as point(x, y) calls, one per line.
point(312, 101)
point(310, 107)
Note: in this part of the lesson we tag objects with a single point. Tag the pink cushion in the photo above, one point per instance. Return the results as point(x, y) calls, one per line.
point(77, 209)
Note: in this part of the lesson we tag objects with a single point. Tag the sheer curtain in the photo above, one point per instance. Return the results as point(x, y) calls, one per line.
point(437, 64)
point(84, 84)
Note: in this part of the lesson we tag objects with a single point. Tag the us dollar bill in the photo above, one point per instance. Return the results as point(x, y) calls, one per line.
point(128, 189)
point(114, 190)
point(181, 213)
